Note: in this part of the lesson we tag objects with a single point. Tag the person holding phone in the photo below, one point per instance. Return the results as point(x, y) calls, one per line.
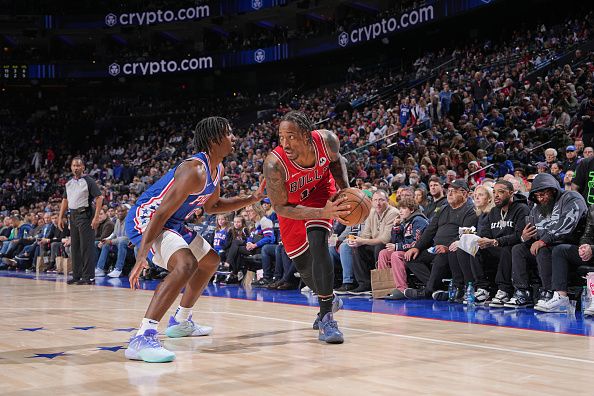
point(558, 217)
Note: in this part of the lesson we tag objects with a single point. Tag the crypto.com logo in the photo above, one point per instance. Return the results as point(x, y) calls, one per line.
point(111, 20)
point(259, 55)
point(343, 39)
point(114, 69)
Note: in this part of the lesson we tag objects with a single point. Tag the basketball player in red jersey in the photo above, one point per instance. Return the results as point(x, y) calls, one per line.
point(301, 177)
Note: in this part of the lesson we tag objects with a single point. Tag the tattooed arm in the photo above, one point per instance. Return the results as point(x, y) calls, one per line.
point(338, 166)
point(276, 191)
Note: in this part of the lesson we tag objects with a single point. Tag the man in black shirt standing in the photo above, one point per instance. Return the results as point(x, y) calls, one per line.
point(80, 193)
point(431, 266)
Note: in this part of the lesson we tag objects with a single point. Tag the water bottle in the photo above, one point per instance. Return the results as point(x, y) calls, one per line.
point(585, 298)
point(451, 291)
point(470, 299)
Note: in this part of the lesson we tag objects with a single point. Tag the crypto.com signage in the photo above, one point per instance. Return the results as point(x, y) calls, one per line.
point(388, 26)
point(159, 16)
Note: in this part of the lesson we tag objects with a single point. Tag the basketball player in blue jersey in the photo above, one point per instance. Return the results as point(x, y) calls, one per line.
point(155, 224)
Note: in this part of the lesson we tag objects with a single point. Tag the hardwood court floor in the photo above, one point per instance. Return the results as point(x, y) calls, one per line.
point(263, 348)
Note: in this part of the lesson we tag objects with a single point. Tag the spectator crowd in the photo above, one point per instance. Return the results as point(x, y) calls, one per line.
point(492, 149)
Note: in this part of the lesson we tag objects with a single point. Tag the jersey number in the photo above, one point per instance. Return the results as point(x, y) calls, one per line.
point(304, 194)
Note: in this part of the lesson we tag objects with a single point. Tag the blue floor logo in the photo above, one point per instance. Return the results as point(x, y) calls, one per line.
point(114, 69)
point(259, 55)
point(343, 39)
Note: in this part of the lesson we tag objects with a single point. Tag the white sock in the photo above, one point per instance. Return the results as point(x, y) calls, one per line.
point(147, 324)
point(182, 314)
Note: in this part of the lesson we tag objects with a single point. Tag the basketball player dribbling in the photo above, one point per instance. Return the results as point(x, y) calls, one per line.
point(301, 177)
point(155, 224)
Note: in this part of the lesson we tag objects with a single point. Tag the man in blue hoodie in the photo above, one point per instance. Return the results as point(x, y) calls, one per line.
point(558, 217)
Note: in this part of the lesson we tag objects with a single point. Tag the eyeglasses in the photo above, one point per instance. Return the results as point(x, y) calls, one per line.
point(453, 190)
point(541, 194)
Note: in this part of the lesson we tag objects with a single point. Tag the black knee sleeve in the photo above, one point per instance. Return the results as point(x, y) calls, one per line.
point(323, 269)
point(303, 264)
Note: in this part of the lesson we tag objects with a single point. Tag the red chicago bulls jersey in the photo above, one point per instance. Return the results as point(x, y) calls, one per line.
point(310, 187)
point(303, 183)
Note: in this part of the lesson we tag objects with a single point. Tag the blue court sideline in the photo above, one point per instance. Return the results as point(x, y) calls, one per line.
point(526, 319)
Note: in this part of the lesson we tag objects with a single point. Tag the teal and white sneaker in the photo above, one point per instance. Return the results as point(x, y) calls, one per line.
point(147, 347)
point(186, 328)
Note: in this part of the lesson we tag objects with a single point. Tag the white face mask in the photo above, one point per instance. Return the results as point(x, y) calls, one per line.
point(526, 86)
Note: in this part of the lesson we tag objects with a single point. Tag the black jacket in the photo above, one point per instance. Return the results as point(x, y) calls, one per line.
point(507, 233)
point(568, 219)
point(434, 207)
point(588, 237)
point(443, 228)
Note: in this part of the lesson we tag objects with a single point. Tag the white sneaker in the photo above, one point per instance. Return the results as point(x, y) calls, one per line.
point(99, 273)
point(480, 296)
point(499, 300)
point(305, 289)
point(590, 310)
point(115, 273)
point(557, 304)
point(186, 328)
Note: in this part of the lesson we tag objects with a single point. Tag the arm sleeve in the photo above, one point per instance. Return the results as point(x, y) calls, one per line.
point(107, 231)
point(570, 213)
point(93, 188)
point(228, 241)
point(588, 237)
point(485, 231)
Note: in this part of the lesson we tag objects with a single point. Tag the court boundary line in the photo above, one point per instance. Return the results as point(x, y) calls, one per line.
point(371, 332)
point(9, 275)
point(428, 339)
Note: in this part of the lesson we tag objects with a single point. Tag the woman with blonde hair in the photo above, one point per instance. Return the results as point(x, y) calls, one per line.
point(483, 203)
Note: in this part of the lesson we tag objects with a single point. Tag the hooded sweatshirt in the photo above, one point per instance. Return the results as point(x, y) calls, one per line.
point(567, 220)
point(508, 231)
point(406, 234)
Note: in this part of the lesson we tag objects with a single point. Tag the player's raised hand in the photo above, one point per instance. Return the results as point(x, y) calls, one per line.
point(134, 277)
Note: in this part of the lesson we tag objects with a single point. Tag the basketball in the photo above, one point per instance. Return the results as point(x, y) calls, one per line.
point(360, 205)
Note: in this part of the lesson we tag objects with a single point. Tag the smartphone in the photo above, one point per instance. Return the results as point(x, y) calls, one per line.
point(528, 220)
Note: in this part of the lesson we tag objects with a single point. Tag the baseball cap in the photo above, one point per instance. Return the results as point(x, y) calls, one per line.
point(265, 200)
point(570, 148)
point(458, 183)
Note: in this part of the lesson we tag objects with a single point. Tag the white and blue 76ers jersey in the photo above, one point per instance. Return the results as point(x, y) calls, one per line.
point(144, 209)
